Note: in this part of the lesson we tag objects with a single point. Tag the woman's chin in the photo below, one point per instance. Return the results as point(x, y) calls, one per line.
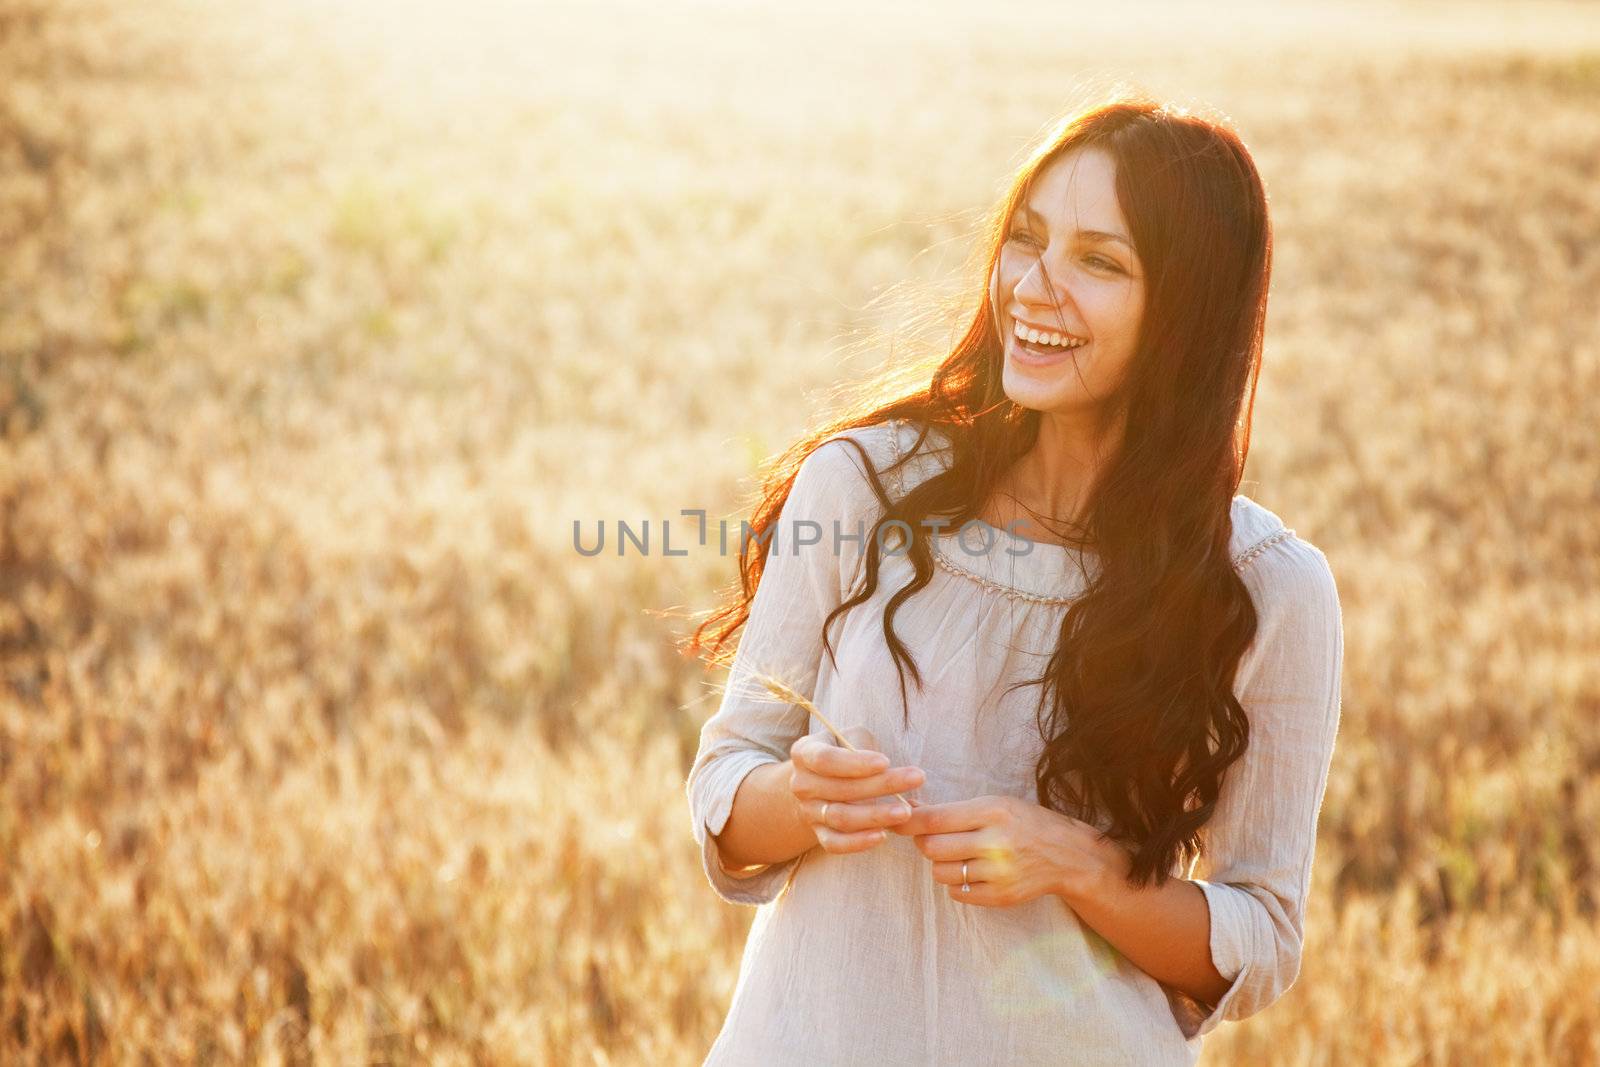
point(1039, 388)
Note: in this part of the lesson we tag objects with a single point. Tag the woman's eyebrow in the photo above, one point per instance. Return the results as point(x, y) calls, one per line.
point(1093, 235)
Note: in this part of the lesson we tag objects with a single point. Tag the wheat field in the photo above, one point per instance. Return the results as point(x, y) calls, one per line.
point(320, 324)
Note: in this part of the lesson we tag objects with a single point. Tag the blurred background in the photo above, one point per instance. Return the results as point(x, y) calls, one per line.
point(320, 324)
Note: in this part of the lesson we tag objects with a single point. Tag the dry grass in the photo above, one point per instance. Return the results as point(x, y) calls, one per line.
point(318, 742)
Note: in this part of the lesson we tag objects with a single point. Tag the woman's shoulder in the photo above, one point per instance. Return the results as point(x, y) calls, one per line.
point(883, 444)
point(926, 449)
point(1275, 561)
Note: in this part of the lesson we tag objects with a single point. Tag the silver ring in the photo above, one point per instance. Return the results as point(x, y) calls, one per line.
point(965, 888)
point(824, 817)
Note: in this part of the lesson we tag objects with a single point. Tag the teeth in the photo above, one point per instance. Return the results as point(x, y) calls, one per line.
point(1047, 338)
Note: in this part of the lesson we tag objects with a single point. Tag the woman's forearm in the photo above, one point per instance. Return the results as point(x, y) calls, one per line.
point(766, 824)
point(1165, 931)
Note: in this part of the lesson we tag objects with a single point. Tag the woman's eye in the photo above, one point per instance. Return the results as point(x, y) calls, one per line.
point(1098, 261)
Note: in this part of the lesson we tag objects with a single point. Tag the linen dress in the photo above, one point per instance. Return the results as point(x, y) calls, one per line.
point(863, 958)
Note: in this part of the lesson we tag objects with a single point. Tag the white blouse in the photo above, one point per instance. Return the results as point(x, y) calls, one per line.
point(863, 958)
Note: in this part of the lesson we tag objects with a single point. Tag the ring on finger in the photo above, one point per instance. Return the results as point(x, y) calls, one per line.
point(965, 888)
point(823, 818)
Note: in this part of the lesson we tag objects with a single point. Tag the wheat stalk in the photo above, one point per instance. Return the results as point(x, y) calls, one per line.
point(780, 689)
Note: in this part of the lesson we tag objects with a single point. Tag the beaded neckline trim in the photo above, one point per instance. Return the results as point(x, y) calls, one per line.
point(999, 587)
point(1239, 560)
point(939, 557)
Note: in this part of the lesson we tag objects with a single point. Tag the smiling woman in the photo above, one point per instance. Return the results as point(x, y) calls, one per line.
point(1122, 718)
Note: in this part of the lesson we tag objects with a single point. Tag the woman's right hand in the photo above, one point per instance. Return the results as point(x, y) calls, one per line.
point(857, 787)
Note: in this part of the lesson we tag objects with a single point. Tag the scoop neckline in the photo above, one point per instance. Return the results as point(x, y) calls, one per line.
point(1052, 577)
point(1059, 575)
point(1055, 576)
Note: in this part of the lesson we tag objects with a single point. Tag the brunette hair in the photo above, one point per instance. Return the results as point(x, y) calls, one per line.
point(1137, 708)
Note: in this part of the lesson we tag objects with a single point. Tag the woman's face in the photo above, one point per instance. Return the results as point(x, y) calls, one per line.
point(1068, 246)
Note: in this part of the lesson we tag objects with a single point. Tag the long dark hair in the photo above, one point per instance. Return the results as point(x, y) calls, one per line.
point(1137, 708)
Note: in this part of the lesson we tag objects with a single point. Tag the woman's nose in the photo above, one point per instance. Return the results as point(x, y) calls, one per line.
point(1043, 286)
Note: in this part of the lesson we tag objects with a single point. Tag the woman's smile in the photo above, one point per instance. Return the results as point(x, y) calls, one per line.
point(1040, 353)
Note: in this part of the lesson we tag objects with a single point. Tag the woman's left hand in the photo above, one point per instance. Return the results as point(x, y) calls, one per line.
point(1015, 850)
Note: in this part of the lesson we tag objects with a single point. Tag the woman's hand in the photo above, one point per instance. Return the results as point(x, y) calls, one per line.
point(857, 788)
point(1015, 850)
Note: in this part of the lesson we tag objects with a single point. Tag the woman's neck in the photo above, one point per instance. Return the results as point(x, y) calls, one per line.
point(1053, 479)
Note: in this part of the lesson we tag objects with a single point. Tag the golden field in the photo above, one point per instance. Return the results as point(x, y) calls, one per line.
point(321, 324)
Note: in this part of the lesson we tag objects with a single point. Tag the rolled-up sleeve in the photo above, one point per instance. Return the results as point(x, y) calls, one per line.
point(1258, 856)
point(803, 580)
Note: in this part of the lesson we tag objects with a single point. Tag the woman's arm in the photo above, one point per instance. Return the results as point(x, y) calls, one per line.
point(1165, 931)
point(766, 825)
point(1232, 942)
point(735, 787)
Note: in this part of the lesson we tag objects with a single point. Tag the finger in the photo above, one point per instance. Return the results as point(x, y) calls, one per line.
point(954, 817)
point(969, 844)
point(948, 872)
point(848, 818)
point(807, 750)
point(982, 894)
point(808, 785)
point(817, 754)
point(844, 843)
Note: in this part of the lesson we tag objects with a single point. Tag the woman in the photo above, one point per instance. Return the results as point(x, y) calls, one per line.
point(1119, 668)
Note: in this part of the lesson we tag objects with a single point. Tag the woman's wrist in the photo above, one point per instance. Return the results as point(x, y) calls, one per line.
point(803, 829)
point(1099, 878)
